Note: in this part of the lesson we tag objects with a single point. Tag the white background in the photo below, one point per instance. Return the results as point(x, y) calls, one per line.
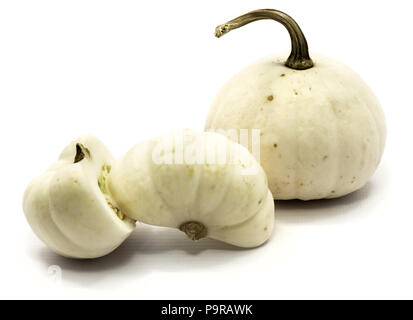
point(129, 70)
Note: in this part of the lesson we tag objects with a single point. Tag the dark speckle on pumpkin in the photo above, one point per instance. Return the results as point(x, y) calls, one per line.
point(282, 75)
point(275, 145)
point(325, 157)
point(270, 98)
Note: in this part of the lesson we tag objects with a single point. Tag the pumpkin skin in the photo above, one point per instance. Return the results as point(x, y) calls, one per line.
point(322, 129)
point(68, 211)
point(234, 207)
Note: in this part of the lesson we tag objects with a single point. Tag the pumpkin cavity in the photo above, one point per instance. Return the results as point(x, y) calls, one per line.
point(102, 183)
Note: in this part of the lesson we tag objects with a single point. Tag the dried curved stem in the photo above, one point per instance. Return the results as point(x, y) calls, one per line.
point(299, 58)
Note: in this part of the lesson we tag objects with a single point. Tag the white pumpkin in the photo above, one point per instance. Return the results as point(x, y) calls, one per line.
point(322, 129)
point(68, 207)
point(188, 181)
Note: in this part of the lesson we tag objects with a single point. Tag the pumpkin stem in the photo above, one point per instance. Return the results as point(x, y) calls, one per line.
point(81, 151)
point(299, 58)
point(194, 230)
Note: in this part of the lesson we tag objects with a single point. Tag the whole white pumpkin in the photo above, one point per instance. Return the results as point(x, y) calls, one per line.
point(322, 129)
point(201, 183)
